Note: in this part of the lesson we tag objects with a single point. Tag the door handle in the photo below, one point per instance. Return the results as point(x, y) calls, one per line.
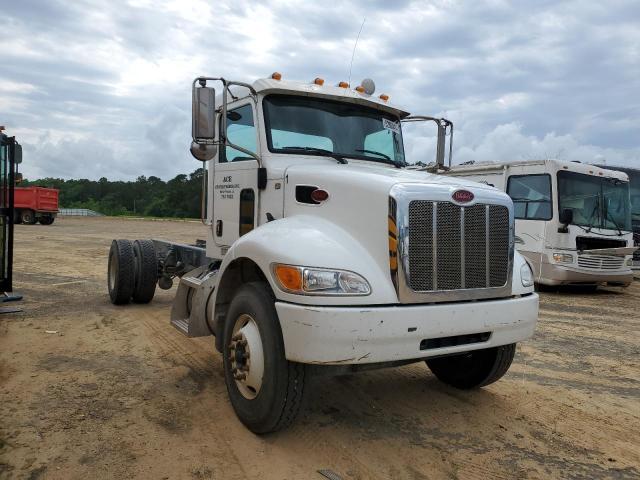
point(218, 228)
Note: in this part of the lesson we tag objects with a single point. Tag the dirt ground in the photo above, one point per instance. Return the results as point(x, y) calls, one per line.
point(91, 391)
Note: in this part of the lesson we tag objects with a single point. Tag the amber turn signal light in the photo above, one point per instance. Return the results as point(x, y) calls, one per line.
point(290, 278)
point(319, 81)
point(384, 97)
point(276, 76)
point(343, 85)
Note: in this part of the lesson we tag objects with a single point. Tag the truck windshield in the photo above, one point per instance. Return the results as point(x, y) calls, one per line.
point(315, 126)
point(597, 202)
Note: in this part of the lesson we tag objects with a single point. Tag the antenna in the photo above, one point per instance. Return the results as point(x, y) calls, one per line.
point(353, 54)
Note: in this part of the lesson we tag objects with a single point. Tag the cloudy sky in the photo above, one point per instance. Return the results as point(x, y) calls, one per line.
point(102, 88)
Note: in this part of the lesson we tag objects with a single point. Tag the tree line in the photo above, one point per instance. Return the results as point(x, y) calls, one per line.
point(146, 196)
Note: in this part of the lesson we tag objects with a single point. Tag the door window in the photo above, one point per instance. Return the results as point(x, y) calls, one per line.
point(531, 195)
point(247, 210)
point(241, 131)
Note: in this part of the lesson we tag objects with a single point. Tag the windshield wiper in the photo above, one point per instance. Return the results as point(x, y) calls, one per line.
point(321, 151)
point(610, 217)
point(596, 207)
point(384, 156)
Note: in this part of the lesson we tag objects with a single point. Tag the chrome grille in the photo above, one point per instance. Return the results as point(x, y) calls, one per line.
point(498, 245)
point(475, 246)
point(600, 262)
point(421, 245)
point(453, 247)
point(449, 251)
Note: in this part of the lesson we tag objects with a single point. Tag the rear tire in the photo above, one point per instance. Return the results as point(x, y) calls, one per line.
point(473, 369)
point(121, 272)
point(17, 217)
point(252, 339)
point(146, 271)
point(47, 220)
point(28, 217)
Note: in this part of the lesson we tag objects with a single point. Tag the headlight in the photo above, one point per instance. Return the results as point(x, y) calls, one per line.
point(630, 262)
point(526, 275)
point(319, 281)
point(563, 258)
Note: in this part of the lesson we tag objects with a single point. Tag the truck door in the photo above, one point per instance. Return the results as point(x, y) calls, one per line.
point(235, 181)
point(8, 149)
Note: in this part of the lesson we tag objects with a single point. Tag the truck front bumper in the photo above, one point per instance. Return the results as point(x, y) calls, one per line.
point(358, 335)
point(564, 275)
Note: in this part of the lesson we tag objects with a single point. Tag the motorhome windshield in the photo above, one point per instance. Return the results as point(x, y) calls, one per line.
point(316, 126)
point(634, 183)
point(597, 202)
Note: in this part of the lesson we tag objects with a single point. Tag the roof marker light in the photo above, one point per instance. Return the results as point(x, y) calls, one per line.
point(319, 81)
point(343, 85)
point(384, 97)
point(360, 89)
point(276, 76)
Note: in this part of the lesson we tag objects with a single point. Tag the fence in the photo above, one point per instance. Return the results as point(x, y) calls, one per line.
point(79, 212)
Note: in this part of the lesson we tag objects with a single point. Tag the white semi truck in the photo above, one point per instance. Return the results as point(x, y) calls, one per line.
point(573, 220)
point(323, 254)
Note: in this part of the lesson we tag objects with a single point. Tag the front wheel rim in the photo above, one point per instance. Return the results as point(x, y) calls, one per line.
point(246, 356)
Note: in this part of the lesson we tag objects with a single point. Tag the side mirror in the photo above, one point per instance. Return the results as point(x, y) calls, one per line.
point(566, 216)
point(203, 122)
point(441, 144)
point(17, 153)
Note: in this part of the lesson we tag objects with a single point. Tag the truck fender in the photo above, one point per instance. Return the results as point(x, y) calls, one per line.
point(516, 283)
point(299, 240)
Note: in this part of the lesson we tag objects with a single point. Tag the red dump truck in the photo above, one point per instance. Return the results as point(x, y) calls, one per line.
point(35, 204)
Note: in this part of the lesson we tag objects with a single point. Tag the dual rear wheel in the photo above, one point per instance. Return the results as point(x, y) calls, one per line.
point(132, 271)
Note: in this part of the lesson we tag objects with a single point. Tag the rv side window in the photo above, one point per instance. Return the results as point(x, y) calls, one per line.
point(531, 195)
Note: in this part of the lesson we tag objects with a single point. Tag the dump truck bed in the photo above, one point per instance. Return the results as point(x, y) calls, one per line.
point(38, 199)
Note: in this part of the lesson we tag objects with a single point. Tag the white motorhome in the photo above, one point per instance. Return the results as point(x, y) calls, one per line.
point(573, 220)
point(634, 187)
point(324, 254)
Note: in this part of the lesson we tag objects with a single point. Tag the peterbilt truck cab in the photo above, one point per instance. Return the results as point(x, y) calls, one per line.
point(324, 254)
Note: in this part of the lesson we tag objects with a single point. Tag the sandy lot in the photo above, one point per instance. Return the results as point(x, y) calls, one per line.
point(116, 392)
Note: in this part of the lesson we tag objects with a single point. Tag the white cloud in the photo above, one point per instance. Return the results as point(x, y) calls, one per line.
point(102, 88)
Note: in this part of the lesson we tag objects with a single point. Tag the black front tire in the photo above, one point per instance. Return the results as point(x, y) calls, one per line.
point(278, 401)
point(121, 272)
point(473, 369)
point(146, 271)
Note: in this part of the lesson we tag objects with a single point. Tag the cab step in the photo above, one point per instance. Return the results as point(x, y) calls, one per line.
point(182, 325)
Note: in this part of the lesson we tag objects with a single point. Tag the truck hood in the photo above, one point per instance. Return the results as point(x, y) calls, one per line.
point(377, 176)
point(357, 209)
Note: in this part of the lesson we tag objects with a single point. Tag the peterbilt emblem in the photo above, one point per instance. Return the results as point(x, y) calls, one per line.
point(462, 196)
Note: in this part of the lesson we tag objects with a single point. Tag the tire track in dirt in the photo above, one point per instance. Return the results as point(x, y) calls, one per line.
point(202, 358)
